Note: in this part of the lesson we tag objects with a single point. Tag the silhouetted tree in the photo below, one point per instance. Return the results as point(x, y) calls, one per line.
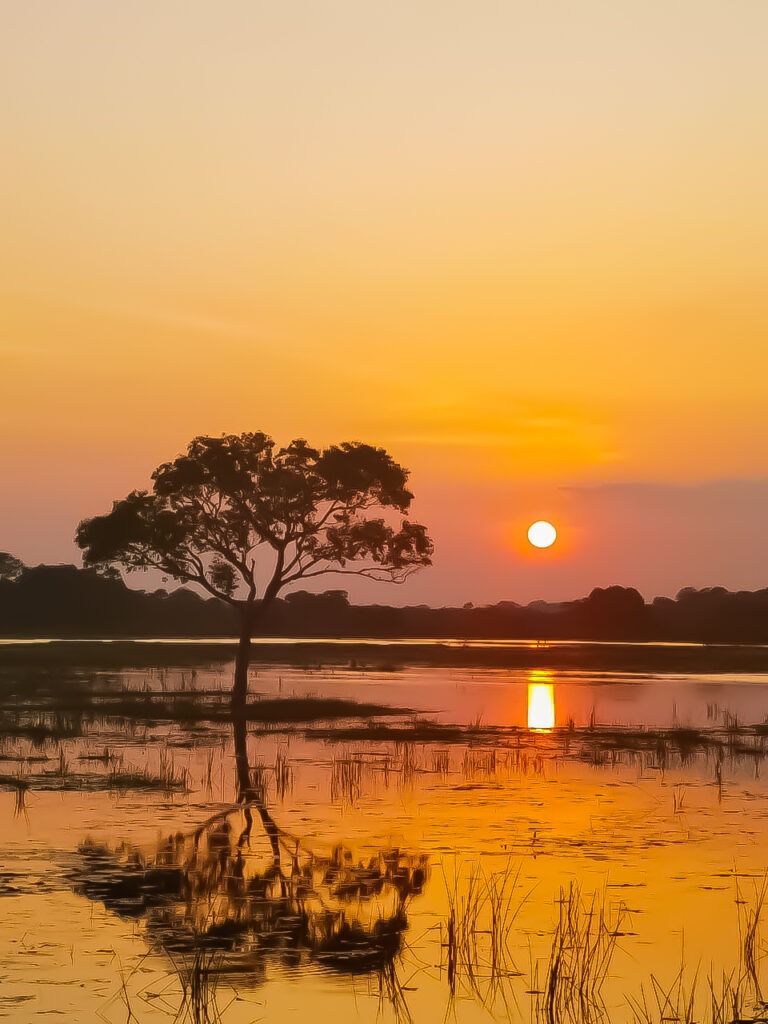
point(613, 612)
point(10, 567)
point(244, 520)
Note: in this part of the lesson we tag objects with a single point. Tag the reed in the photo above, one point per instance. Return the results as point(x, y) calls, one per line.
point(199, 976)
point(475, 938)
point(169, 778)
point(730, 997)
point(283, 774)
point(583, 946)
point(346, 779)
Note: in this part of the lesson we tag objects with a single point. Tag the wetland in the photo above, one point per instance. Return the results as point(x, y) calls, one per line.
point(515, 836)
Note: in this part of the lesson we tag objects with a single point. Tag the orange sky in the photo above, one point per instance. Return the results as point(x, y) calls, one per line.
point(521, 244)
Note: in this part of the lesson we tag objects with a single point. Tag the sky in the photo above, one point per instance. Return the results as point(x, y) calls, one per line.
point(519, 244)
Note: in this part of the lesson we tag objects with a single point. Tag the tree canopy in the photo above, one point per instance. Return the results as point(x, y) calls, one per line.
point(10, 566)
point(244, 519)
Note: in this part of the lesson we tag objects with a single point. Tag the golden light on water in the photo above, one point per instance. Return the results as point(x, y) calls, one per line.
point(541, 706)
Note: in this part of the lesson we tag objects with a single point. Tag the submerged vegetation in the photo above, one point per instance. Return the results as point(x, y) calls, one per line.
point(724, 995)
point(476, 939)
point(583, 946)
point(252, 880)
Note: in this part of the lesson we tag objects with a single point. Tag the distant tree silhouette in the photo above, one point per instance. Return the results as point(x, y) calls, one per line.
point(613, 612)
point(10, 567)
point(243, 520)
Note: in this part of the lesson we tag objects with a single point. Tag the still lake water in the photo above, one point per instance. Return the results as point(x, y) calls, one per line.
point(643, 798)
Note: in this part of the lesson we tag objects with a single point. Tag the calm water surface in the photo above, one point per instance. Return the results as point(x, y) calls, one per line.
point(646, 793)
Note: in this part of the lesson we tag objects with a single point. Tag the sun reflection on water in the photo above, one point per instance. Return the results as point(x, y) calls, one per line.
point(541, 702)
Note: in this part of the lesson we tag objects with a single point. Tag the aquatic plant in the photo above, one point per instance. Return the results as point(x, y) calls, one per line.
point(583, 946)
point(476, 953)
point(732, 996)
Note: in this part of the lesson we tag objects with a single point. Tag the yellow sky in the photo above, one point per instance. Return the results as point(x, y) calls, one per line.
point(512, 241)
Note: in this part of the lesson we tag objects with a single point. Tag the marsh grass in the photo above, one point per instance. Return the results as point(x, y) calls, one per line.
point(106, 757)
point(41, 727)
point(259, 782)
point(20, 804)
point(188, 994)
point(61, 776)
point(283, 774)
point(352, 770)
point(346, 779)
point(19, 784)
point(391, 992)
point(480, 763)
point(199, 976)
point(409, 763)
point(583, 946)
point(57, 715)
point(750, 940)
point(720, 997)
point(441, 763)
point(210, 756)
point(475, 937)
point(477, 958)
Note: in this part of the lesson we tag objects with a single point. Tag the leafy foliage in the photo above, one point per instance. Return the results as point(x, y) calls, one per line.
point(244, 519)
point(10, 566)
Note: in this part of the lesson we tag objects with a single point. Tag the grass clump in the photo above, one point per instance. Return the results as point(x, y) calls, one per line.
point(168, 778)
point(728, 997)
point(583, 946)
point(476, 952)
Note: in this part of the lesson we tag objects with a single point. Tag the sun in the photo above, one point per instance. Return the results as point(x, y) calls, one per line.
point(542, 534)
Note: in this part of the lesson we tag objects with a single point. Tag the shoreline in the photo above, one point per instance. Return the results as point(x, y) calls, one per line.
point(391, 655)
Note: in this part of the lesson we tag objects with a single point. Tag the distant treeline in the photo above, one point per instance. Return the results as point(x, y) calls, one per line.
point(65, 601)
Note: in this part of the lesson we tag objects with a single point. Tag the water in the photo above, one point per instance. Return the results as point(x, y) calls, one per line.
point(648, 791)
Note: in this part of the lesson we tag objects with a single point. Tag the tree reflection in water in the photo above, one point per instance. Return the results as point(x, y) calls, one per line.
point(247, 893)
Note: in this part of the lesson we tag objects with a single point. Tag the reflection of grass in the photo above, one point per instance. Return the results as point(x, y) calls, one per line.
point(189, 995)
point(441, 762)
point(392, 992)
point(583, 946)
point(476, 949)
point(513, 748)
point(476, 955)
point(283, 774)
point(20, 785)
point(41, 727)
point(168, 778)
point(749, 930)
point(349, 770)
point(199, 976)
point(416, 731)
point(346, 779)
point(119, 777)
point(58, 716)
point(728, 997)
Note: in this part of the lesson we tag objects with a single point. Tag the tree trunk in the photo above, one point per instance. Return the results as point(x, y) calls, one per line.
point(243, 658)
point(250, 613)
point(245, 791)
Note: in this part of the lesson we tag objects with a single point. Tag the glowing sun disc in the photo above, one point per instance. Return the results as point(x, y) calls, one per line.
point(542, 534)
